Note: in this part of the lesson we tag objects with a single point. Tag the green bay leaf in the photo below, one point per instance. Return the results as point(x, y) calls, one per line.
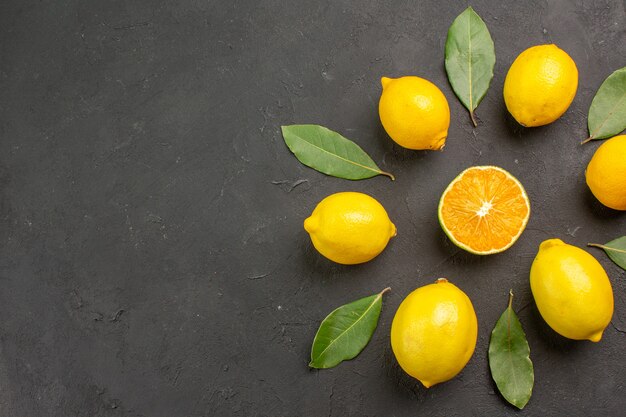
point(509, 359)
point(330, 153)
point(346, 331)
point(470, 58)
point(607, 114)
point(616, 250)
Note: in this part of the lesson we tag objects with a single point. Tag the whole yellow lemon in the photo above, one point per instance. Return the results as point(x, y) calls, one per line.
point(349, 228)
point(572, 291)
point(433, 334)
point(540, 85)
point(606, 173)
point(414, 112)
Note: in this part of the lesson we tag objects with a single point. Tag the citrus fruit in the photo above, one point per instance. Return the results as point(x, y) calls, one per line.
point(571, 290)
point(484, 210)
point(349, 228)
point(433, 333)
point(606, 173)
point(414, 112)
point(540, 85)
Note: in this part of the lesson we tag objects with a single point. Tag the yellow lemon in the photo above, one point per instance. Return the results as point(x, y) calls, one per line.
point(571, 290)
point(433, 334)
point(540, 85)
point(349, 228)
point(606, 173)
point(414, 112)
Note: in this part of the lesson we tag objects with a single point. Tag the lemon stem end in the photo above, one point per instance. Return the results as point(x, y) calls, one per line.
point(596, 337)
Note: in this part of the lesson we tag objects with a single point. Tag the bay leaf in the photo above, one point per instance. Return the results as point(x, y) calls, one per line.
point(330, 153)
point(470, 58)
point(607, 114)
point(509, 358)
point(616, 250)
point(346, 331)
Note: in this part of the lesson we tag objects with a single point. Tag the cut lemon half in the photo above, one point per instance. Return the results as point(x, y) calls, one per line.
point(484, 210)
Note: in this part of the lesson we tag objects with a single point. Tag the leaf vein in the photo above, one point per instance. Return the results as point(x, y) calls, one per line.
point(469, 59)
point(339, 157)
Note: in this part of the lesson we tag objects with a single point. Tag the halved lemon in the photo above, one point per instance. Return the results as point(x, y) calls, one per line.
point(484, 210)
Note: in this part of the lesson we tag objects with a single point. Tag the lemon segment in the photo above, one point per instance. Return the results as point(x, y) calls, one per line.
point(484, 210)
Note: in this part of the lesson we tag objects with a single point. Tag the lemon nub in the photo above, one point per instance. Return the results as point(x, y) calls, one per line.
point(427, 384)
point(550, 243)
point(310, 224)
point(596, 337)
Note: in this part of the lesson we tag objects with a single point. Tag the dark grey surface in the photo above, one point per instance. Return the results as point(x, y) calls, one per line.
point(151, 266)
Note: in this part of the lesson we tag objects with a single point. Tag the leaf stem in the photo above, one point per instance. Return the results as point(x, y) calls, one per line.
point(597, 245)
point(388, 174)
point(473, 119)
point(589, 139)
point(385, 290)
point(510, 297)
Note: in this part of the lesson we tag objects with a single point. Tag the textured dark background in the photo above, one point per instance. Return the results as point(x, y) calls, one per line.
point(152, 255)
